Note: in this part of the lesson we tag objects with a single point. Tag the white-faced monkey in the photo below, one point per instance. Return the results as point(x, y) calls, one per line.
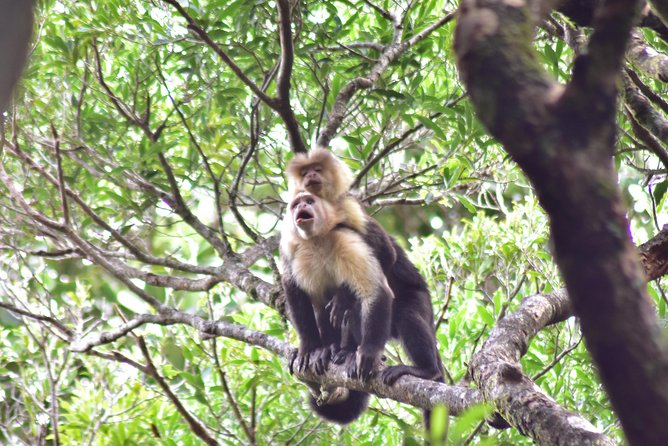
point(321, 174)
point(322, 258)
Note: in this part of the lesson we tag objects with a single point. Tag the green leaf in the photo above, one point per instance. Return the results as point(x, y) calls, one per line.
point(659, 191)
point(173, 353)
point(439, 425)
point(431, 125)
point(466, 203)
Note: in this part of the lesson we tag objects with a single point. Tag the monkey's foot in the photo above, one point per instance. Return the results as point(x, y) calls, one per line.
point(332, 395)
point(391, 374)
point(340, 356)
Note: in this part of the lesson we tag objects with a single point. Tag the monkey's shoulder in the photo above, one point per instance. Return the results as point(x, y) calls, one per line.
point(354, 214)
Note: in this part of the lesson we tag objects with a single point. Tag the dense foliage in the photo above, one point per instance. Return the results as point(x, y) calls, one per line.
point(122, 106)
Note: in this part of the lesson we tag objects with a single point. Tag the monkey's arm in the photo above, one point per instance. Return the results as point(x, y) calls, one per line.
point(344, 315)
point(302, 316)
point(375, 323)
point(331, 340)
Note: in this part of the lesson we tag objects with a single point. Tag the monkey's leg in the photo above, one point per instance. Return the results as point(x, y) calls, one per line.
point(375, 324)
point(351, 337)
point(416, 332)
point(302, 316)
point(331, 339)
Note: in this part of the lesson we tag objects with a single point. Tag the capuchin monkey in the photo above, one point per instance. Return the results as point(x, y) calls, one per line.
point(321, 174)
point(322, 257)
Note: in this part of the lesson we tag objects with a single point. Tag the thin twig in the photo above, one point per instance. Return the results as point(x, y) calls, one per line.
point(556, 359)
point(61, 177)
point(195, 425)
point(444, 309)
point(38, 317)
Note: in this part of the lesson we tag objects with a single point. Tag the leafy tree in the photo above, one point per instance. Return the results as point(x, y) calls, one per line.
point(142, 187)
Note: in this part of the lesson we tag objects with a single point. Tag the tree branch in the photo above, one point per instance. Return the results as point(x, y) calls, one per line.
point(643, 112)
point(204, 36)
point(572, 172)
point(280, 104)
point(389, 54)
point(497, 372)
point(38, 317)
point(133, 248)
point(196, 426)
point(410, 390)
point(646, 58)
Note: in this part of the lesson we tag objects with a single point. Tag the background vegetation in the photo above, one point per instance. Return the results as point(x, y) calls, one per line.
point(142, 177)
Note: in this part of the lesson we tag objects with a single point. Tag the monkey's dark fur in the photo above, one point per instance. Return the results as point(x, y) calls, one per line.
point(411, 317)
point(321, 258)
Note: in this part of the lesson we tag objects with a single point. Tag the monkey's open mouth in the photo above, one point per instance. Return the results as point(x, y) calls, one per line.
point(303, 215)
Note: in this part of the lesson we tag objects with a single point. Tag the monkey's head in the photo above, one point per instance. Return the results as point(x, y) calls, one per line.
point(310, 216)
point(320, 173)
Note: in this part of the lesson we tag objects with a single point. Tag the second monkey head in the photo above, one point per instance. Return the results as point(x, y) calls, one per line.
point(320, 173)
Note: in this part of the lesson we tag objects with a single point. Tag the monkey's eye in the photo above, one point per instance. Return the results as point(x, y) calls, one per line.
point(317, 168)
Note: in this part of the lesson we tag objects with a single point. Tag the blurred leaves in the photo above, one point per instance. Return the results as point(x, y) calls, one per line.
point(477, 235)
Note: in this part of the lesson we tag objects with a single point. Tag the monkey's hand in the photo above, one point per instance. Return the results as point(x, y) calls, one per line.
point(365, 362)
point(339, 308)
point(308, 357)
point(320, 359)
point(342, 355)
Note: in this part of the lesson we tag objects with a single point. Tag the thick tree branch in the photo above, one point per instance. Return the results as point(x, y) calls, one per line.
point(646, 58)
point(564, 143)
point(16, 23)
point(654, 255)
point(599, 68)
point(647, 92)
point(410, 390)
point(648, 139)
point(497, 372)
point(581, 12)
point(643, 112)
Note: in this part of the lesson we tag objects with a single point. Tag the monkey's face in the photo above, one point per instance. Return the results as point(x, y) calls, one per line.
point(313, 178)
point(308, 215)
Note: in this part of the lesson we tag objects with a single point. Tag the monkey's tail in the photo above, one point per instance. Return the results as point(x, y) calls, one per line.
point(345, 411)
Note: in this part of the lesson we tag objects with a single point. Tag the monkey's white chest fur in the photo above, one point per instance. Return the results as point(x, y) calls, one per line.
point(323, 264)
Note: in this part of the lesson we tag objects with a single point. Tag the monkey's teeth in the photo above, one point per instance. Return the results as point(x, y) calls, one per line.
point(304, 216)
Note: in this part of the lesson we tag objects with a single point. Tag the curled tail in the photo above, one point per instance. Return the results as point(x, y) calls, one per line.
point(342, 412)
